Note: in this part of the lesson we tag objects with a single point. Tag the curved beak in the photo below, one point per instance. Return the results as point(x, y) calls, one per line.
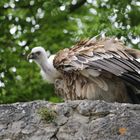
point(30, 56)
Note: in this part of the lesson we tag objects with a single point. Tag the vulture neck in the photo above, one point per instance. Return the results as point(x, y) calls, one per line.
point(48, 72)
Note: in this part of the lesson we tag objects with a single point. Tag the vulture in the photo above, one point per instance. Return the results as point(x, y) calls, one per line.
point(94, 69)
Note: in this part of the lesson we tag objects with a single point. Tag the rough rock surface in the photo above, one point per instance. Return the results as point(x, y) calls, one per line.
point(75, 120)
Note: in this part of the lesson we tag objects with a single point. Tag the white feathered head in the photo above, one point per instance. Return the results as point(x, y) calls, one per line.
point(38, 54)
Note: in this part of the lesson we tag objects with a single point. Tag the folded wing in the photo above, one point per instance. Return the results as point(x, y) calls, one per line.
point(94, 57)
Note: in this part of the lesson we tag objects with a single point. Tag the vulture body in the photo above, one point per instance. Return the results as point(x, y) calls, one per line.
point(102, 69)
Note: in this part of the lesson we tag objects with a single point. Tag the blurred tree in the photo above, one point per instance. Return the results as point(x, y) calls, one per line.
point(55, 24)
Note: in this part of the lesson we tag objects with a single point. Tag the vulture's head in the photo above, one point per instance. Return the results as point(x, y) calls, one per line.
point(38, 54)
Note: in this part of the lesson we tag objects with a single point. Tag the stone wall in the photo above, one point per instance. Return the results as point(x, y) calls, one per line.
point(74, 120)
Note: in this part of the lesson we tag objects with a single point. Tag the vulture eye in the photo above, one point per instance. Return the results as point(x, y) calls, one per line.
point(38, 53)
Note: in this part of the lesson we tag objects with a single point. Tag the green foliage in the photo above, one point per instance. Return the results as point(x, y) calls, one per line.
point(47, 115)
point(54, 24)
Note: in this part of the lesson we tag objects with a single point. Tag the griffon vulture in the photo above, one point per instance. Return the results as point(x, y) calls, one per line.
point(95, 69)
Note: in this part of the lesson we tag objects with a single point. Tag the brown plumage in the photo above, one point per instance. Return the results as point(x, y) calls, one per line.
point(101, 69)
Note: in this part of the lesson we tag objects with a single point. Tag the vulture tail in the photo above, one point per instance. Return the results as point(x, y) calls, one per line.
point(132, 78)
point(133, 95)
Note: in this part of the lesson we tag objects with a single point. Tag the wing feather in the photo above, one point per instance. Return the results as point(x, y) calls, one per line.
point(106, 54)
